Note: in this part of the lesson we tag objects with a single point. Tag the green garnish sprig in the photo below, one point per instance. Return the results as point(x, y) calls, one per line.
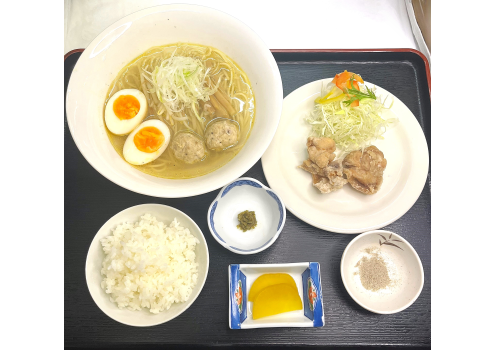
point(358, 95)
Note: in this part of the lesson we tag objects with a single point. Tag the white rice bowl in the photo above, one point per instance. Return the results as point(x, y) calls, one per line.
point(148, 264)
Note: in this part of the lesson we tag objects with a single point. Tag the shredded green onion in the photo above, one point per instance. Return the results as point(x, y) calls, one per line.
point(351, 128)
point(179, 82)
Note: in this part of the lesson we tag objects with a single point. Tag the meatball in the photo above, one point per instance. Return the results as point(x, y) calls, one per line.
point(188, 148)
point(221, 135)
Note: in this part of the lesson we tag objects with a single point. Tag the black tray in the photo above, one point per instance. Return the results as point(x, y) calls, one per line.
point(91, 199)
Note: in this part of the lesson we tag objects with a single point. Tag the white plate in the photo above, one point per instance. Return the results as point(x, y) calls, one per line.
point(94, 259)
point(347, 210)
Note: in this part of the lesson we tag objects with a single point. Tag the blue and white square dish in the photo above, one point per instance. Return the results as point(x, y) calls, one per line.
point(308, 282)
point(246, 194)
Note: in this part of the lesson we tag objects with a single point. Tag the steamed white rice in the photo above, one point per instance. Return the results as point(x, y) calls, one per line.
point(149, 265)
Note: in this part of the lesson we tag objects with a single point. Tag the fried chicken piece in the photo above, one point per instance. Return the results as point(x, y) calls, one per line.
point(335, 168)
point(327, 175)
point(365, 171)
point(312, 168)
point(321, 150)
point(326, 179)
point(322, 183)
point(333, 179)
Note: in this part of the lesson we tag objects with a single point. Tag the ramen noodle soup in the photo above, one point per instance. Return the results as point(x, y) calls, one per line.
point(200, 101)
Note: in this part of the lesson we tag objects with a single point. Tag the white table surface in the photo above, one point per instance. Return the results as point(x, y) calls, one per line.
point(303, 24)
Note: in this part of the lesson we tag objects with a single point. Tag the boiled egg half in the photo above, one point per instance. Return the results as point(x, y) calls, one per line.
point(125, 110)
point(147, 142)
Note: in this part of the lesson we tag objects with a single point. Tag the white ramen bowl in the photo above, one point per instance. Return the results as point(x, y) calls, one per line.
point(94, 260)
point(404, 268)
point(129, 37)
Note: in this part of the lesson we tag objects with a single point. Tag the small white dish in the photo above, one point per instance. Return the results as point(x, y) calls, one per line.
point(237, 196)
point(128, 38)
point(94, 259)
point(346, 210)
point(308, 283)
point(404, 268)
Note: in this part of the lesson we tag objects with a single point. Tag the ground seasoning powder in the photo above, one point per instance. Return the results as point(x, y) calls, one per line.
point(373, 271)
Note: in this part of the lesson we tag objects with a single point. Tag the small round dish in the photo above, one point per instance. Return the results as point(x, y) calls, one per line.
point(94, 259)
point(404, 269)
point(237, 196)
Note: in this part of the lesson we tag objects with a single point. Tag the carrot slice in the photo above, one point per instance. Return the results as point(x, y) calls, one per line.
point(342, 80)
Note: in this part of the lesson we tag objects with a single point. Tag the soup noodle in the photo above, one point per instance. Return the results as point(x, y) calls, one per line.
point(233, 101)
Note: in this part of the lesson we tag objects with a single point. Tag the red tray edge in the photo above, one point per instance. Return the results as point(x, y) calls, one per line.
point(422, 56)
point(72, 52)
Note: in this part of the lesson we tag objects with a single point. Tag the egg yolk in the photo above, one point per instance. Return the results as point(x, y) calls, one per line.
point(149, 139)
point(126, 107)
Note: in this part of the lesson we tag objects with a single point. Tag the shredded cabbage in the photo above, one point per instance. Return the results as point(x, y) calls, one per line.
point(351, 128)
point(180, 82)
